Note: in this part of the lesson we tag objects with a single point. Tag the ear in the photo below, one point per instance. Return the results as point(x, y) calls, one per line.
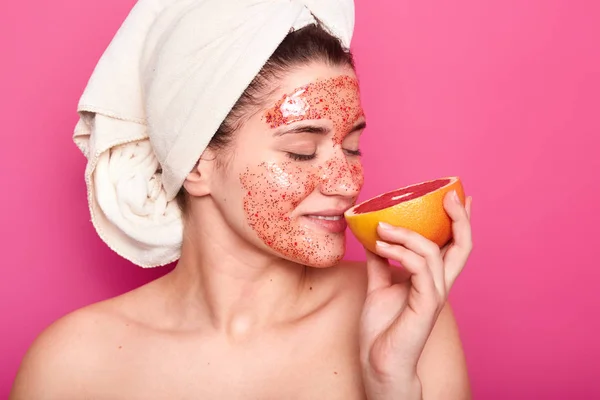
point(197, 183)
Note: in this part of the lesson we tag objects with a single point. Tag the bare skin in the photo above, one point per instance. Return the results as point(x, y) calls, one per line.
point(144, 345)
point(237, 319)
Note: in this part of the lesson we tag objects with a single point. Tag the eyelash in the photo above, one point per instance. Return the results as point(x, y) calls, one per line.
point(357, 153)
point(308, 157)
point(301, 157)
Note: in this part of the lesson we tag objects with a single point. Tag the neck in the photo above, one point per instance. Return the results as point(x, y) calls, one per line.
point(226, 281)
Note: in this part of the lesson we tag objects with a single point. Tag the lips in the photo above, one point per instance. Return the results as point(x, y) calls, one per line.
point(329, 223)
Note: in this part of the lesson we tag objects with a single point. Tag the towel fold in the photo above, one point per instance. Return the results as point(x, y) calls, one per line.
point(159, 92)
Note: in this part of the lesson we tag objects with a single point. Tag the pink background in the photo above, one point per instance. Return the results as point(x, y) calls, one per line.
point(504, 93)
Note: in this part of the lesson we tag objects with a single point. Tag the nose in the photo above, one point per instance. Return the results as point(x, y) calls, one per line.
point(341, 176)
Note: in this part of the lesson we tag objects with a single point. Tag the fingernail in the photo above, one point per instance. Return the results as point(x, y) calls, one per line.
point(382, 244)
point(385, 225)
point(455, 197)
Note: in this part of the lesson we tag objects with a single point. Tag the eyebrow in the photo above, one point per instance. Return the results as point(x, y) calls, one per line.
point(317, 130)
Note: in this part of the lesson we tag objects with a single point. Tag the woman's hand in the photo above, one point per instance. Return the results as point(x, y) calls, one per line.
point(397, 318)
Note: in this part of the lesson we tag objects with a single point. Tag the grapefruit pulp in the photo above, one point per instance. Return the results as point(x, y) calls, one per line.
point(417, 207)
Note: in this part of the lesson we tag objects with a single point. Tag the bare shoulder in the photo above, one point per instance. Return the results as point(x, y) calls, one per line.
point(65, 357)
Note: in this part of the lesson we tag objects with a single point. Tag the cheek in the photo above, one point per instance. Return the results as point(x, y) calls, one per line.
point(272, 191)
point(273, 182)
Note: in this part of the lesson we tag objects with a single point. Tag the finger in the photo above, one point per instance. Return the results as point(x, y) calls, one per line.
point(468, 203)
point(458, 253)
point(444, 249)
point(421, 278)
point(421, 246)
point(378, 272)
point(461, 226)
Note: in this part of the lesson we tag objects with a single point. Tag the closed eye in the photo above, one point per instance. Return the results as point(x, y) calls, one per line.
point(356, 153)
point(301, 157)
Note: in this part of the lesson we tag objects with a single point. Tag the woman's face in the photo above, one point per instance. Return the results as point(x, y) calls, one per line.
point(295, 167)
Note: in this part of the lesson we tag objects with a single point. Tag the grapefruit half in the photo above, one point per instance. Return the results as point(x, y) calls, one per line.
point(417, 207)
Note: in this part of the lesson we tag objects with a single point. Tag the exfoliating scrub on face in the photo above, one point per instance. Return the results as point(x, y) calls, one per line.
point(273, 190)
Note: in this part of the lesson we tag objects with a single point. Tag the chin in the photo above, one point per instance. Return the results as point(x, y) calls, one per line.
point(322, 258)
point(325, 263)
point(309, 248)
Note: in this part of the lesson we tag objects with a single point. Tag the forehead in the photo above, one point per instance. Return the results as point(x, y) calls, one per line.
point(304, 75)
point(313, 94)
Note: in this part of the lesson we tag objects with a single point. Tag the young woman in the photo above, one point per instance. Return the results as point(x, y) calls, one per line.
point(260, 304)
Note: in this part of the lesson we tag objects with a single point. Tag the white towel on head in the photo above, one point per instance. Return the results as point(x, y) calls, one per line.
point(160, 91)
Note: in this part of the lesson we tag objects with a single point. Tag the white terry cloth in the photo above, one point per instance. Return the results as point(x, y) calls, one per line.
point(161, 89)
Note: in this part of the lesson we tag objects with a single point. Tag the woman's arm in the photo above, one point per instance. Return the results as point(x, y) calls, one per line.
point(442, 367)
